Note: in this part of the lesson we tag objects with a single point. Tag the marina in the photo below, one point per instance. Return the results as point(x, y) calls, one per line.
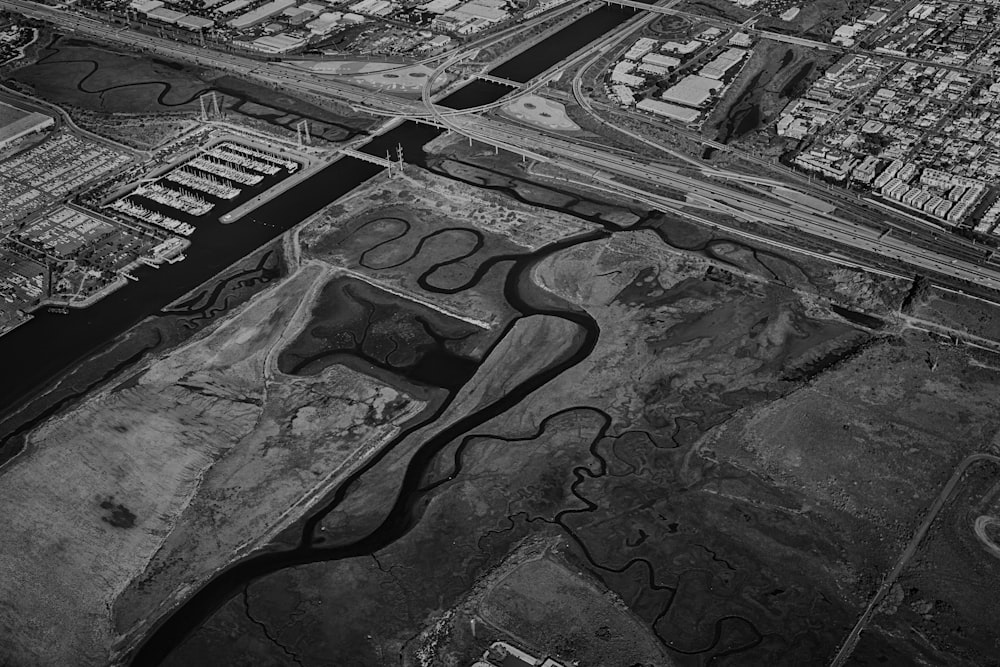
point(225, 170)
point(233, 157)
point(148, 216)
point(210, 185)
point(265, 156)
point(177, 199)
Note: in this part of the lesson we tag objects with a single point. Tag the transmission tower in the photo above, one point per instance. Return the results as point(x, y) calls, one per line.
point(302, 132)
point(399, 157)
point(209, 103)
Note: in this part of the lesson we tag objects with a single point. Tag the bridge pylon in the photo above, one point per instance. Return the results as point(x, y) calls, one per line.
point(209, 105)
point(302, 136)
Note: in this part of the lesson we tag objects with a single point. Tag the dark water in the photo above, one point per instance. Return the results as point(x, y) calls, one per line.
point(35, 353)
point(574, 37)
point(861, 319)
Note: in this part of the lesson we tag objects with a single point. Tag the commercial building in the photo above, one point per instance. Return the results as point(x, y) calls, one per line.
point(325, 24)
point(164, 15)
point(642, 46)
point(682, 48)
point(621, 74)
point(192, 22)
point(16, 123)
point(667, 62)
point(145, 6)
point(439, 6)
point(692, 90)
point(623, 94)
point(672, 111)
point(233, 7)
point(261, 14)
point(718, 68)
point(278, 43)
point(741, 39)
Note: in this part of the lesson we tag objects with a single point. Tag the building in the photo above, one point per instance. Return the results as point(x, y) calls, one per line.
point(439, 6)
point(653, 70)
point(261, 14)
point(642, 46)
point(741, 39)
point(233, 7)
point(667, 62)
point(682, 48)
point(672, 111)
point(790, 14)
point(692, 90)
point(623, 94)
point(874, 18)
point(145, 6)
point(278, 43)
point(325, 24)
point(164, 15)
point(192, 22)
point(718, 68)
point(865, 172)
point(16, 123)
point(621, 74)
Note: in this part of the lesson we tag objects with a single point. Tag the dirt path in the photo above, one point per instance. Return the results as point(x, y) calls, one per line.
point(852, 639)
point(980, 528)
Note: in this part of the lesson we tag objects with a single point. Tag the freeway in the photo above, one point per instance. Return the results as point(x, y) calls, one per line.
point(278, 74)
point(575, 156)
point(752, 207)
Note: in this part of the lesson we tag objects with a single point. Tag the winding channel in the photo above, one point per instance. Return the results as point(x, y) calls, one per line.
point(414, 492)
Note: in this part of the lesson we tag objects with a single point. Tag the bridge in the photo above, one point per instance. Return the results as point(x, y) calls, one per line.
point(358, 155)
point(498, 80)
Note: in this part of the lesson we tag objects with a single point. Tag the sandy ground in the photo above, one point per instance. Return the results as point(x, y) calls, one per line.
point(384, 76)
point(540, 112)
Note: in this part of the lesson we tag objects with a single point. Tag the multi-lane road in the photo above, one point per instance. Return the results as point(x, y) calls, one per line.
point(602, 165)
point(615, 168)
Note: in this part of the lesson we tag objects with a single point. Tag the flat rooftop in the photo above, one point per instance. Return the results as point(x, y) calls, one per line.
point(16, 122)
point(692, 90)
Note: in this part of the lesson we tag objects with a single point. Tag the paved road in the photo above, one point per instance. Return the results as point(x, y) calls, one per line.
point(852, 639)
point(576, 157)
point(582, 159)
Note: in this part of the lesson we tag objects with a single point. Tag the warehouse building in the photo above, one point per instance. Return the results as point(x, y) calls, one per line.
point(692, 90)
point(672, 111)
point(261, 14)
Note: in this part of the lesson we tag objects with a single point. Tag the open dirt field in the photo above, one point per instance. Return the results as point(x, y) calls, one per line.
point(382, 76)
point(540, 112)
point(423, 234)
point(944, 606)
point(155, 482)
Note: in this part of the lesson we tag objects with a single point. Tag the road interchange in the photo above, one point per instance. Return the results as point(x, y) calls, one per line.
point(575, 156)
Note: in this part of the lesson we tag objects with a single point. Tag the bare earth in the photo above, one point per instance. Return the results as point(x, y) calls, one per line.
point(153, 484)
